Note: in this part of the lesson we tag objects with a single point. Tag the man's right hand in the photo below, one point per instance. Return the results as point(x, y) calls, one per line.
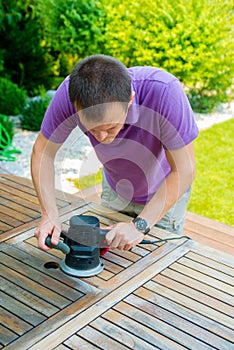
point(48, 227)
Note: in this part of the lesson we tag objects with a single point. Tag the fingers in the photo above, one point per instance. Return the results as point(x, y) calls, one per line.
point(107, 228)
point(55, 235)
point(123, 236)
point(41, 237)
point(45, 229)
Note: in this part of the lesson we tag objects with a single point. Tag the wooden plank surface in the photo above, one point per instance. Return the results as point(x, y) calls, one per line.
point(19, 206)
point(22, 265)
point(149, 312)
point(174, 295)
point(210, 232)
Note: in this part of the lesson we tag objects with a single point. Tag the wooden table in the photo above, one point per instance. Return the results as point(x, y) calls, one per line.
point(176, 295)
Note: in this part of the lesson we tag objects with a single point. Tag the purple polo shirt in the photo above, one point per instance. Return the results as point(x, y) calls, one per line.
point(160, 118)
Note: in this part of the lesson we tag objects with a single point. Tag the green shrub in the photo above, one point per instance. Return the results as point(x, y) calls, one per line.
point(25, 59)
point(12, 98)
point(72, 30)
point(191, 39)
point(33, 113)
point(6, 131)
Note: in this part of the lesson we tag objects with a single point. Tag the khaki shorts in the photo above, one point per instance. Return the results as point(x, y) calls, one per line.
point(172, 221)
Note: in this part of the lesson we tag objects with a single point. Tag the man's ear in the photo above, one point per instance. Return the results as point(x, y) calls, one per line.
point(131, 98)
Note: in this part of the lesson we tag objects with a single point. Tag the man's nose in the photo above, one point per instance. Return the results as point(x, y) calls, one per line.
point(101, 135)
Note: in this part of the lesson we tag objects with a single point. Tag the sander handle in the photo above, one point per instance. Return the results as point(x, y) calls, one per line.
point(60, 246)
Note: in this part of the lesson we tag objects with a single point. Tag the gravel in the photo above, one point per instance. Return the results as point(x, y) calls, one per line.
point(76, 157)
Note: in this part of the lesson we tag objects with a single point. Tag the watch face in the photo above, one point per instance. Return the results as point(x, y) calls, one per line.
point(141, 225)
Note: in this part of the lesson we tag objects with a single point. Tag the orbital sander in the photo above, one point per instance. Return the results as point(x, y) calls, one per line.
point(81, 244)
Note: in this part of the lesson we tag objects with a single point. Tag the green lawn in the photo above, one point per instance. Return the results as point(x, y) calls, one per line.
point(213, 188)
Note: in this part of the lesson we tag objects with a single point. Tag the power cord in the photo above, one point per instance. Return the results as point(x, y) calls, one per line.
point(145, 241)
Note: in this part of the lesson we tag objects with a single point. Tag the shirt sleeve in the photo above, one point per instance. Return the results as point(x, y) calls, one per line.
point(177, 123)
point(60, 117)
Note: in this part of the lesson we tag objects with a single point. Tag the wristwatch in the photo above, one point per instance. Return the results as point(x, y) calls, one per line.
point(141, 225)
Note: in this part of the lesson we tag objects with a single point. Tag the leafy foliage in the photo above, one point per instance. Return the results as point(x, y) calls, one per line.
point(71, 30)
point(191, 39)
point(25, 60)
point(33, 113)
point(12, 98)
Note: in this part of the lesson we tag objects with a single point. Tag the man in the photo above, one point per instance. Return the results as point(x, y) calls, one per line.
point(142, 128)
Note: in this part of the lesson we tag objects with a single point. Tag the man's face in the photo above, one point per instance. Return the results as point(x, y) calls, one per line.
point(106, 130)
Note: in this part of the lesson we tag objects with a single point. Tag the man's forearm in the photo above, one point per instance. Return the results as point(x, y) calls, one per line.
point(42, 171)
point(167, 195)
point(183, 169)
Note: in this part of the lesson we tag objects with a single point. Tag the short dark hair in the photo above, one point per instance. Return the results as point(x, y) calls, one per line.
point(98, 80)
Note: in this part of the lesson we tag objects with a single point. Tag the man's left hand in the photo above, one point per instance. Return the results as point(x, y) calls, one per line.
point(123, 236)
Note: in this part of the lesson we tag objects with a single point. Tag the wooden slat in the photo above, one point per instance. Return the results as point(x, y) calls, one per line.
point(113, 268)
point(28, 194)
point(117, 259)
point(63, 347)
point(106, 275)
point(26, 297)
point(210, 281)
point(174, 296)
point(16, 231)
point(35, 288)
point(10, 221)
point(4, 227)
point(195, 284)
point(127, 254)
point(18, 179)
point(212, 263)
point(28, 183)
point(95, 337)
point(36, 281)
point(218, 227)
point(129, 282)
point(210, 232)
point(8, 212)
point(6, 336)
point(191, 304)
point(75, 288)
point(23, 207)
point(180, 317)
point(19, 191)
point(149, 335)
point(20, 310)
point(115, 332)
point(195, 294)
point(218, 275)
point(51, 325)
point(77, 343)
point(14, 323)
point(173, 333)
